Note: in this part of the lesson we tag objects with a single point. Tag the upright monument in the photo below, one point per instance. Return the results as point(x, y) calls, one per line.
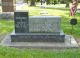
point(37, 28)
point(21, 22)
point(7, 5)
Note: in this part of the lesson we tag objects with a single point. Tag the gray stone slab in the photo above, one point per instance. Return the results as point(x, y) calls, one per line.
point(69, 43)
point(38, 37)
point(44, 24)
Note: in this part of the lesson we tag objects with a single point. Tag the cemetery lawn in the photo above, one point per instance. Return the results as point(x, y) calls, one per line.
point(8, 52)
point(7, 26)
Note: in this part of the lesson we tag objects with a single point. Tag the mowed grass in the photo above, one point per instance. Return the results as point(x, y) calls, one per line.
point(7, 26)
point(7, 52)
point(36, 11)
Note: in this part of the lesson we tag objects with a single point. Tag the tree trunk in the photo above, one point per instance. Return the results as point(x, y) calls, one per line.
point(32, 3)
point(41, 2)
point(67, 3)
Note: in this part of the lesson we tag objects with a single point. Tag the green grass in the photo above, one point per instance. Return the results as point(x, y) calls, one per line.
point(7, 52)
point(6, 26)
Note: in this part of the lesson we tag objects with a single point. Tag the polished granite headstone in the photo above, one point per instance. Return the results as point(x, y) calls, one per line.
point(37, 28)
point(21, 22)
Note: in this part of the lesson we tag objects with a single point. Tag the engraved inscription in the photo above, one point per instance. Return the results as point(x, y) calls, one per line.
point(21, 22)
point(44, 25)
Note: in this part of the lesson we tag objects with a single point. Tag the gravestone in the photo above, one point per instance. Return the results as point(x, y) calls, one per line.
point(7, 6)
point(21, 22)
point(37, 28)
point(46, 24)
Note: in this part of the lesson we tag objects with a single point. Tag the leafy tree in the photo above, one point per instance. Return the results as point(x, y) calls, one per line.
point(54, 1)
point(48, 2)
point(37, 0)
point(26, 1)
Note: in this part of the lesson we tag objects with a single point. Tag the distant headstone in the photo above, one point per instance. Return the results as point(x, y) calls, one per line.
point(21, 22)
point(7, 6)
